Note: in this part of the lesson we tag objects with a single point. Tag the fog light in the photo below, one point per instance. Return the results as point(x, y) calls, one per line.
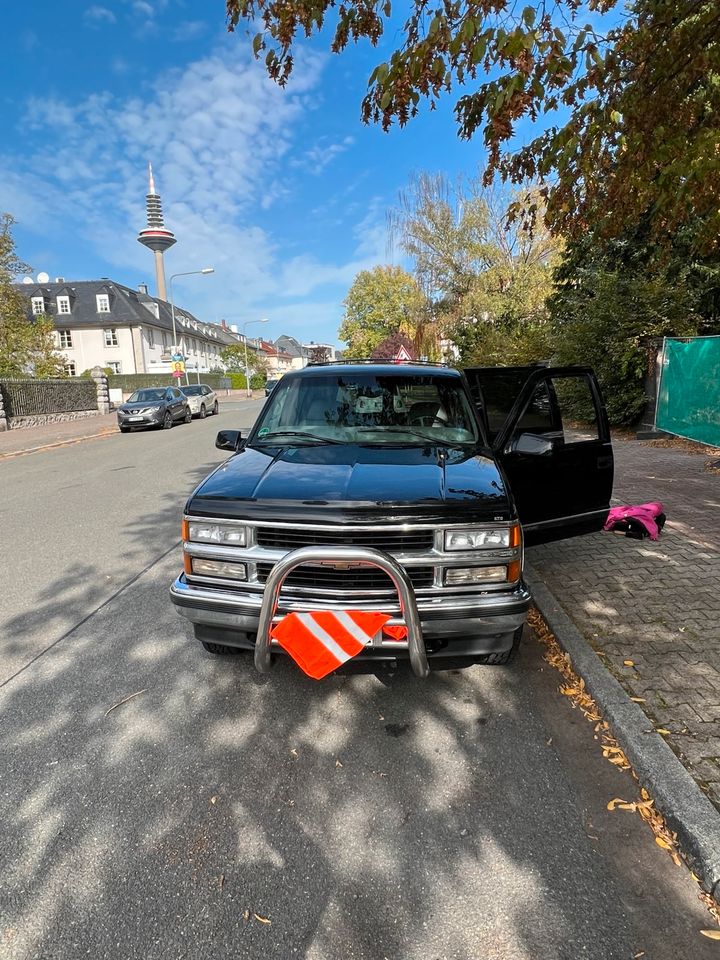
point(457, 576)
point(218, 568)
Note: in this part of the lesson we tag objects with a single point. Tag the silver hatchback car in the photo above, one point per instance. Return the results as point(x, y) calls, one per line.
point(202, 399)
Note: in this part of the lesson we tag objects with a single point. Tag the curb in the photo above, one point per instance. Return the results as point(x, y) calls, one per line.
point(56, 443)
point(687, 810)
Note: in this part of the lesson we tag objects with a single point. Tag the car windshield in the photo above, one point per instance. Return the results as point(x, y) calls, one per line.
point(368, 408)
point(192, 391)
point(142, 396)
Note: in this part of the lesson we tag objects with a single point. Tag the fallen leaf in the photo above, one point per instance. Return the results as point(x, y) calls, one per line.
point(663, 843)
point(638, 700)
point(222, 880)
point(294, 752)
point(246, 915)
point(628, 663)
point(261, 919)
point(662, 730)
point(337, 763)
point(711, 934)
point(124, 700)
point(615, 802)
point(214, 800)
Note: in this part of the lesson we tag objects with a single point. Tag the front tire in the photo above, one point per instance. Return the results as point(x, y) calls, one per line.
point(218, 649)
point(500, 659)
point(203, 411)
point(167, 421)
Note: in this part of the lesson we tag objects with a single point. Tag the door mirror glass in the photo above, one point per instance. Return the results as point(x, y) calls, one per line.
point(532, 444)
point(229, 440)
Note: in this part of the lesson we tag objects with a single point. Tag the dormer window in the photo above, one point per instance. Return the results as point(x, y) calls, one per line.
point(38, 305)
point(103, 303)
point(63, 305)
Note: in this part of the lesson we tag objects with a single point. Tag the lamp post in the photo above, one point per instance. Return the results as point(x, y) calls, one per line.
point(187, 273)
point(247, 370)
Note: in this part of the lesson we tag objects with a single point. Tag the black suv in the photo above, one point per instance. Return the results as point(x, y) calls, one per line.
point(403, 488)
point(154, 407)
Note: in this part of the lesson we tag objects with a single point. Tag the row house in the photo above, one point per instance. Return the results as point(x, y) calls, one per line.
point(107, 324)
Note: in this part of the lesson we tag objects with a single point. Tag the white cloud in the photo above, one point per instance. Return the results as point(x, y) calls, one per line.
point(219, 135)
point(322, 153)
point(188, 30)
point(96, 16)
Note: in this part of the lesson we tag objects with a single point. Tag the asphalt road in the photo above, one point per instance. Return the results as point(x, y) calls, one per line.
point(364, 817)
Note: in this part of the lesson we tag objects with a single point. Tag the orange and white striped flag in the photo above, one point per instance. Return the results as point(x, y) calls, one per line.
point(321, 641)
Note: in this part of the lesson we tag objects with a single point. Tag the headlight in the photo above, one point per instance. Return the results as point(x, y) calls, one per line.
point(219, 568)
point(210, 532)
point(483, 538)
point(461, 576)
point(152, 409)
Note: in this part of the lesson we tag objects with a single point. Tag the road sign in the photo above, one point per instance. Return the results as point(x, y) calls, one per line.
point(178, 373)
point(176, 357)
point(178, 368)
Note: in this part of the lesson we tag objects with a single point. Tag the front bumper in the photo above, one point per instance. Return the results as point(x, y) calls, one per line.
point(140, 420)
point(471, 626)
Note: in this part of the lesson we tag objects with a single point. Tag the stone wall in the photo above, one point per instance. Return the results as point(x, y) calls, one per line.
point(22, 423)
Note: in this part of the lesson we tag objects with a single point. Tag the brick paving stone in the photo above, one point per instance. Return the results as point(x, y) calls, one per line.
point(657, 604)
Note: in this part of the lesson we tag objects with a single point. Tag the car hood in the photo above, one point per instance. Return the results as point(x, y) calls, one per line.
point(355, 479)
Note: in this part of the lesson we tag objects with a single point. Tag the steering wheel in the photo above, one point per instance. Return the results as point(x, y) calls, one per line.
point(428, 420)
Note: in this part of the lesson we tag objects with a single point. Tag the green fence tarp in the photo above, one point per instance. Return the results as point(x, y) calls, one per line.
point(689, 396)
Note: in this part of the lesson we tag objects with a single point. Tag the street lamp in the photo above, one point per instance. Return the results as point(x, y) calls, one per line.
point(247, 371)
point(188, 273)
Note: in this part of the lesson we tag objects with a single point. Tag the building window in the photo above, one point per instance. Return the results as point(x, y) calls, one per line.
point(151, 337)
point(110, 336)
point(63, 305)
point(65, 339)
point(70, 368)
point(103, 303)
point(38, 305)
point(114, 365)
point(165, 342)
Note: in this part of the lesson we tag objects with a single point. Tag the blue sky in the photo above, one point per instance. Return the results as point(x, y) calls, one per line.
point(284, 192)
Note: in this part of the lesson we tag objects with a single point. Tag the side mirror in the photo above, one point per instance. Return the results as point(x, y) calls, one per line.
point(229, 440)
point(532, 444)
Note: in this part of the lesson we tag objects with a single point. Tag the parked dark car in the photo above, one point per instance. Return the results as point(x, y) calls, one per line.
point(154, 407)
point(270, 385)
point(407, 489)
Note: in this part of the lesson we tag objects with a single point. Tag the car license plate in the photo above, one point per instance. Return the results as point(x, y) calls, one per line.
point(135, 418)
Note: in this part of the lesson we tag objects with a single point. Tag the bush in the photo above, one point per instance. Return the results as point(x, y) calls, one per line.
point(129, 382)
point(238, 381)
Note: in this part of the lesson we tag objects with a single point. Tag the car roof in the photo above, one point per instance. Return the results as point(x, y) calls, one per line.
point(381, 368)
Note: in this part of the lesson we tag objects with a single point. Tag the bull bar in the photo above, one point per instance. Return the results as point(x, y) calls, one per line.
point(352, 557)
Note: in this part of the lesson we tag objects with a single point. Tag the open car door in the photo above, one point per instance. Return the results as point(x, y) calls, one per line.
point(549, 431)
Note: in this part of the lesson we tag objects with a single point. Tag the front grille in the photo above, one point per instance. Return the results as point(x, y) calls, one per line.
point(391, 541)
point(357, 578)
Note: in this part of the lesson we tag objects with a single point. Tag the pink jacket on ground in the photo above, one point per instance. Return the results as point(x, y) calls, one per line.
point(644, 513)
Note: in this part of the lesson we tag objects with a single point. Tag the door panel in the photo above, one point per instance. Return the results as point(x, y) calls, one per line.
point(554, 446)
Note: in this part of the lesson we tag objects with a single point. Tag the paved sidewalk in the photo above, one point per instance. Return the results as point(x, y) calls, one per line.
point(49, 434)
point(655, 604)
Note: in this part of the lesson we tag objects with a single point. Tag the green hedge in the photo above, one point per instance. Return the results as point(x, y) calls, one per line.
point(238, 381)
point(130, 382)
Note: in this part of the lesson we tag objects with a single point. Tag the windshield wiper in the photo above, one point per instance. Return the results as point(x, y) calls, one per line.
point(413, 433)
point(267, 437)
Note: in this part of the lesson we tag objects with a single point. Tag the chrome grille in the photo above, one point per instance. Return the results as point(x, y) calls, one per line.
point(391, 541)
point(357, 578)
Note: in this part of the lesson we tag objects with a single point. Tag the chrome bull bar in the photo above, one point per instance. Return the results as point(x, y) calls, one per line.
point(353, 557)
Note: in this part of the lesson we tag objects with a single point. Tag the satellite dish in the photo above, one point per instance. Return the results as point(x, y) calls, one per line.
point(43, 277)
point(28, 280)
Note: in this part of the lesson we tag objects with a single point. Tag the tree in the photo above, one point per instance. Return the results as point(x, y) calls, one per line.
point(611, 298)
point(639, 92)
point(490, 280)
point(27, 348)
point(380, 302)
point(233, 358)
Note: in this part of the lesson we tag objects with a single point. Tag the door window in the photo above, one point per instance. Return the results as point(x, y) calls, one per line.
point(561, 409)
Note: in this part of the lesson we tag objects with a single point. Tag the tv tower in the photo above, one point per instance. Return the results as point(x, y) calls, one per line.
point(155, 235)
